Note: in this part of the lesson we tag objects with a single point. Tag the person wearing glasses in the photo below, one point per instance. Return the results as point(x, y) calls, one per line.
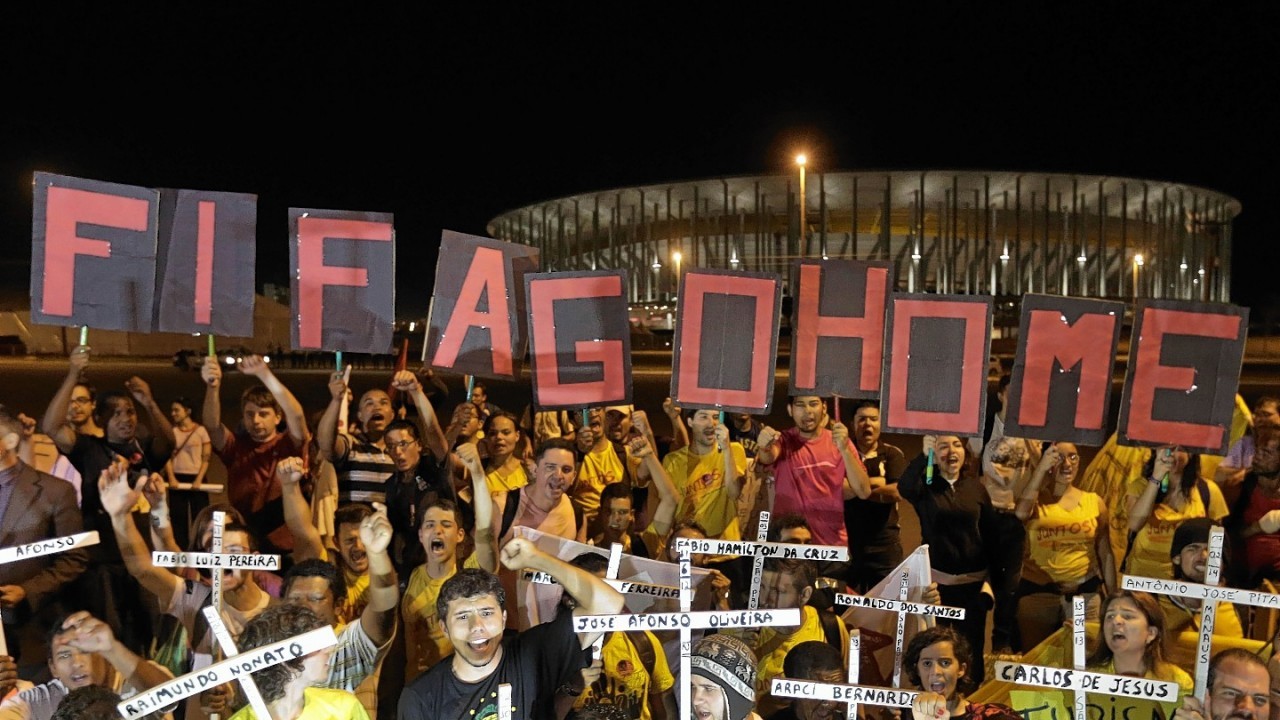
point(1068, 546)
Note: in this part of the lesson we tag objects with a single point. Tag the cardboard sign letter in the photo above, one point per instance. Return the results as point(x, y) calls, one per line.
point(581, 338)
point(837, 345)
point(205, 264)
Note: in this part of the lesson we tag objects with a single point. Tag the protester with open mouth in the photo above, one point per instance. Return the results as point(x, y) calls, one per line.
point(939, 662)
point(1132, 642)
point(534, 663)
point(1190, 556)
point(504, 464)
point(1169, 491)
point(957, 522)
point(707, 474)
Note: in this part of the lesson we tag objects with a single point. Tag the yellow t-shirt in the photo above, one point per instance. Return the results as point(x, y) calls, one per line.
point(424, 637)
point(319, 704)
point(770, 664)
point(506, 479)
point(624, 681)
point(1061, 542)
point(1177, 618)
point(1150, 554)
point(598, 469)
point(699, 479)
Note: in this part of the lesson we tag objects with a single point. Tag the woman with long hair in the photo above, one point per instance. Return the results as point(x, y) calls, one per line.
point(957, 521)
point(938, 661)
point(1169, 491)
point(1132, 641)
point(1068, 546)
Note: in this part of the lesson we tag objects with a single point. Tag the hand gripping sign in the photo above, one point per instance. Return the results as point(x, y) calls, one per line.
point(40, 548)
point(1210, 595)
point(234, 668)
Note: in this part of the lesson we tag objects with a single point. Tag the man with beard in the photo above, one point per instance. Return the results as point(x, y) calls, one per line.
point(533, 663)
point(242, 599)
point(108, 590)
point(707, 475)
point(418, 478)
point(250, 453)
point(83, 652)
point(875, 547)
point(1189, 553)
point(815, 661)
point(1239, 688)
point(816, 469)
point(361, 461)
point(543, 504)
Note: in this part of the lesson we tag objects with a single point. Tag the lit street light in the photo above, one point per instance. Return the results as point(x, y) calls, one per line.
point(676, 257)
point(801, 160)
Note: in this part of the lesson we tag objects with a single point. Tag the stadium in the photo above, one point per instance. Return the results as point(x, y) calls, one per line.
point(999, 233)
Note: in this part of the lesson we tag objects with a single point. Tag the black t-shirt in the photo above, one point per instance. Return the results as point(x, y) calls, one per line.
point(535, 663)
point(90, 456)
point(745, 438)
point(405, 492)
point(873, 524)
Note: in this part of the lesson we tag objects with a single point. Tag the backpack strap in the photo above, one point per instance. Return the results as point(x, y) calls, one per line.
point(831, 628)
point(509, 511)
point(645, 651)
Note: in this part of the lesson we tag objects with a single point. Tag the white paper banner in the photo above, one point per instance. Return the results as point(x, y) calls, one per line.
point(1122, 685)
point(807, 690)
point(48, 547)
point(215, 560)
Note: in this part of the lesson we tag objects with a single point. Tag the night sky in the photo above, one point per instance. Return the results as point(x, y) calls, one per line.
point(447, 117)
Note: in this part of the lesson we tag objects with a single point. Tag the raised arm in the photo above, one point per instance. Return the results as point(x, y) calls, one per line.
point(732, 476)
point(91, 635)
point(211, 412)
point(593, 595)
point(297, 513)
point(767, 448)
point(1031, 494)
point(679, 433)
point(1140, 507)
point(118, 498)
point(379, 616)
point(293, 414)
point(161, 429)
point(329, 443)
point(157, 496)
point(54, 423)
point(482, 502)
point(1106, 557)
point(664, 515)
point(432, 435)
point(856, 481)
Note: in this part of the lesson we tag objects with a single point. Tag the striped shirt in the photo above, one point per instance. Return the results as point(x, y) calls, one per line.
point(356, 663)
point(363, 473)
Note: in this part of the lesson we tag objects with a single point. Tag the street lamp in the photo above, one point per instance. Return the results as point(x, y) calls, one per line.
point(801, 160)
point(676, 257)
point(1137, 263)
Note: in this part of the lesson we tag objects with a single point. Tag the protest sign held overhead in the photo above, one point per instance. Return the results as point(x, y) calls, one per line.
point(1184, 368)
point(342, 269)
point(93, 254)
point(1060, 389)
point(936, 382)
point(477, 325)
point(205, 262)
point(838, 324)
point(580, 338)
point(726, 341)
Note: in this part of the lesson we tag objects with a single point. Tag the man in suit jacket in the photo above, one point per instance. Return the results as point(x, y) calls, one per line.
point(33, 506)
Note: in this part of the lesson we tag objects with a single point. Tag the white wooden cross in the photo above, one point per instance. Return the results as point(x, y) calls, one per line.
point(235, 668)
point(841, 692)
point(1210, 595)
point(40, 548)
point(903, 608)
point(228, 646)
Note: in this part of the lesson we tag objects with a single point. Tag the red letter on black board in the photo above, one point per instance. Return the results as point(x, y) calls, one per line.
point(580, 338)
point(205, 265)
point(344, 276)
point(726, 340)
point(1061, 385)
point(93, 255)
point(477, 324)
point(837, 338)
point(1184, 368)
point(935, 380)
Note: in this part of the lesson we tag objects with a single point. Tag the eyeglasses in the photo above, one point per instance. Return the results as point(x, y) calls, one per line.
point(402, 445)
point(1071, 457)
